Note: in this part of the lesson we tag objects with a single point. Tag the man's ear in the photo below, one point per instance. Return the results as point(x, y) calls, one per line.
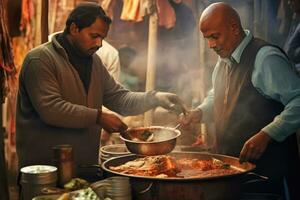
point(73, 28)
point(234, 27)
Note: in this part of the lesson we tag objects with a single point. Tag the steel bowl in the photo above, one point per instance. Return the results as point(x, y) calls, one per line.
point(164, 140)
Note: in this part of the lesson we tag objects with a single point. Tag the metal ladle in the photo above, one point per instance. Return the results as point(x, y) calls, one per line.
point(149, 136)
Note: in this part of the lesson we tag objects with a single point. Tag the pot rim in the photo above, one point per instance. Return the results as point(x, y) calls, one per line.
point(178, 133)
point(251, 167)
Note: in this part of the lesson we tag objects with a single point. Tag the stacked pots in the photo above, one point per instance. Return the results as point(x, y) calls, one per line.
point(112, 151)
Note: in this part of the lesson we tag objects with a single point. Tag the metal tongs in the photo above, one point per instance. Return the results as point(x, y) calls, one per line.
point(220, 163)
point(225, 165)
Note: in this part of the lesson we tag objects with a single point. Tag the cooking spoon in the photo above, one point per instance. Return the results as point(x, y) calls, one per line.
point(145, 136)
point(149, 136)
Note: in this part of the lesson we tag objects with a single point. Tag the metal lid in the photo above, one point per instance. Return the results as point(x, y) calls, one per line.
point(38, 174)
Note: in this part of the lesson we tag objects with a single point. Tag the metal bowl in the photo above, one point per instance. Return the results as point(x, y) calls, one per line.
point(164, 140)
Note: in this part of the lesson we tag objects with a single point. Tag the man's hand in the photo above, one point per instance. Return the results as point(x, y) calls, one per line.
point(170, 102)
point(110, 122)
point(105, 136)
point(255, 147)
point(191, 117)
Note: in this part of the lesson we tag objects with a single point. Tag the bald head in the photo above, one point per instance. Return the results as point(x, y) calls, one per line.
point(221, 13)
point(220, 24)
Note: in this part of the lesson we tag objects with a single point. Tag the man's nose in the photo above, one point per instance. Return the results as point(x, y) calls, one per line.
point(99, 42)
point(211, 44)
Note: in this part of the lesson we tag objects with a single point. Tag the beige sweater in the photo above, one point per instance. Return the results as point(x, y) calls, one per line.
point(53, 107)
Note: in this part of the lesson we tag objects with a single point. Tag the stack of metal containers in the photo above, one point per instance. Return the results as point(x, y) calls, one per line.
point(111, 151)
point(116, 188)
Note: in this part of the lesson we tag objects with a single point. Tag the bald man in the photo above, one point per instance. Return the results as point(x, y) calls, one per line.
point(254, 102)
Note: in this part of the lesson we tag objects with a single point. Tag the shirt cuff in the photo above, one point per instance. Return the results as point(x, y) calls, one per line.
point(206, 113)
point(275, 131)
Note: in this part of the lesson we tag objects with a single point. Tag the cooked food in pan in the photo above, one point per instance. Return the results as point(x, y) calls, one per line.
point(167, 166)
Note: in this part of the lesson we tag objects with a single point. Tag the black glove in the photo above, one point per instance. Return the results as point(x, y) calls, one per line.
point(170, 102)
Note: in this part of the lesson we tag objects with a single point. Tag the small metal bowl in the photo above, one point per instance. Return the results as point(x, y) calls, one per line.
point(164, 140)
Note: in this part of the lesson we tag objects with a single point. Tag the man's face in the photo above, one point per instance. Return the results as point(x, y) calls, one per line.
point(295, 5)
point(220, 36)
point(89, 39)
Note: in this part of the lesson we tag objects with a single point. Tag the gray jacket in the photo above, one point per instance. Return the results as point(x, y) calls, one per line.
point(53, 107)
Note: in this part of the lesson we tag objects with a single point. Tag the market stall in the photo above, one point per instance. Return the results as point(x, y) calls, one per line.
point(171, 56)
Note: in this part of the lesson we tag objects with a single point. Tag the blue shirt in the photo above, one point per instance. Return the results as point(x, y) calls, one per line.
point(274, 77)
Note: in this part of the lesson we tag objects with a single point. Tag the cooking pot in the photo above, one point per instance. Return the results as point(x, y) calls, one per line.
point(225, 187)
point(163, 142)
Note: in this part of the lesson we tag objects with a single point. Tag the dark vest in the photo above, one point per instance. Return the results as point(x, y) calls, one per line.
point(241, 111)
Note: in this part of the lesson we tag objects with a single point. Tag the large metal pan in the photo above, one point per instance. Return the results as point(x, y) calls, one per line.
point(225, 187)
point(234, 162)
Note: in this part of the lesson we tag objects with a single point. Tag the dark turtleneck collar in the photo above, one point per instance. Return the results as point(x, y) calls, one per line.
point(82, 64)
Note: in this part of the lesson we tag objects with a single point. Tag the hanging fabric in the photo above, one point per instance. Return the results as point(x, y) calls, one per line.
point(166, 14)
point(107, 6)
point(135, 10)
point(131, 11)
point(6, 57)
point(26, 20)
point(7, 67)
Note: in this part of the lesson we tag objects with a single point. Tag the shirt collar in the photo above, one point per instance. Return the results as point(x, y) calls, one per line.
point(237, 53)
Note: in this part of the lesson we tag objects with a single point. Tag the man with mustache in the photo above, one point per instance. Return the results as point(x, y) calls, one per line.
point(254, 102)
point(63, 85)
